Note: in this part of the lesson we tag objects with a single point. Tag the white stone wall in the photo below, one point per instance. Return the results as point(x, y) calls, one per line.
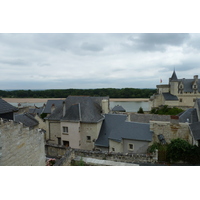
point(73, 134)
point(115, 146)
point(21, 146)
point(92, 130)
point(42, 123)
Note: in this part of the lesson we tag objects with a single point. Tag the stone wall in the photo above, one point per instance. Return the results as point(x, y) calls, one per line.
point(21, 146)
point(170, 131)
point(69, 154)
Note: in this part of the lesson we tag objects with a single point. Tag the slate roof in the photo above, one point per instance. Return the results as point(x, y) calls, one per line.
point(116, 128)
point(110, 122)
point(36, 110)
point(118, 109)
point(170, 97)
point(187, 84)
point(132, 131)
point(5, 107)
point(146, 118)
point(198, 104)
point(190, 114)
point(79, 108)
point(49, 104)
point(195, 128)
point(27, 119)
point(174, 77)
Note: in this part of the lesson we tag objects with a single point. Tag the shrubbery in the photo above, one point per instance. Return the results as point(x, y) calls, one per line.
point(178, 150)
point(165, 110)
point(141, 111)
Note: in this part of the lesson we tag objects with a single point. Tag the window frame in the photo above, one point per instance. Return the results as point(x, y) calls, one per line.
point(65, 131)
point(129, 146)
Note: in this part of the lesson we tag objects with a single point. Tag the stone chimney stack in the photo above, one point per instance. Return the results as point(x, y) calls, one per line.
point(105, 106)
point(196, 77)
point(52, 108)
point(64, 108)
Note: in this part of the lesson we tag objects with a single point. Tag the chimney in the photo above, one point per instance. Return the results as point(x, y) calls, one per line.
point(105, 106)
point(196, 77)
point(52, 108)
point(64, 108)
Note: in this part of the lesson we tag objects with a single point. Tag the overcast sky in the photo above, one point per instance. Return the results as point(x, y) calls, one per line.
point(61, 61)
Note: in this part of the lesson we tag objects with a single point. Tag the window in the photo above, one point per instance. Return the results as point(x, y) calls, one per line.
point(194, 100)
point(65, 129)
point(66, 143)
point(113, 149)
point(180, 100)
point(59, 140)
point(131, 147)
point(88, 138)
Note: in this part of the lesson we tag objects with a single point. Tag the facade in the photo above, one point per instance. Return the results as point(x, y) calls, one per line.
point(77, 122)
point(178, 92)
point(119, 135)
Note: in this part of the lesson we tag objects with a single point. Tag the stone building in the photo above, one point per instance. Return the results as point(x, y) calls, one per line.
point(178, 92)
point(77, 122)
point(119, 135)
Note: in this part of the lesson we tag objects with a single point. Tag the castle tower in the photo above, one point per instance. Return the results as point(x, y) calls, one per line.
point(173, 84)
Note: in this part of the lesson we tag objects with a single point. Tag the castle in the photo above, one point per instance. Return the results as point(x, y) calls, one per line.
point(179, 92)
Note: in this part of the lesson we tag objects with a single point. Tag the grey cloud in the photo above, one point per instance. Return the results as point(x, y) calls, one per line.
point(91, 47)
point(183, 66)
point(13, 62)
point(156, 41)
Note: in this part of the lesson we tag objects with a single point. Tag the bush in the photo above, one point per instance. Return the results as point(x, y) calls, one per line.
point(140, 110)
point(165, 110)
point(179, 150)
point(158, 146)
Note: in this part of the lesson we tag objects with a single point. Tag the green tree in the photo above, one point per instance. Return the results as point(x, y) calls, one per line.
point(140, 110)
point(178, 150)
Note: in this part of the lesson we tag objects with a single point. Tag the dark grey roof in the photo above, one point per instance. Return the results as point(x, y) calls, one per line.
point(27, 119)
point(88, 110)
point(5, 107)
point(170, 97)
point(174, 77)
point(79, 108)
point(187, 84)
point(146, 118)
point(195, 128)
point(36, 110)
point(198, 105)
point(132, 131)
point(110, 122)
point(190, 114)
point(119, 109)
point(115, 127)
point(50, 103)
point(57, 114)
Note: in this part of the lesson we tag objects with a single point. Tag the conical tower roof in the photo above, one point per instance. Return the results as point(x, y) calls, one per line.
point(174, 77)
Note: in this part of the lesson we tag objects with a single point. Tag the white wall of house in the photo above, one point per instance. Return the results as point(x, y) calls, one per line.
point(42, 123)
point(115, 146)
point(135, 146)
point(53, 131)
point(72, 135)
point(89, 132)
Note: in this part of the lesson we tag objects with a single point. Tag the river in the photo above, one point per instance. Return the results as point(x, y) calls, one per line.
point(130, 105)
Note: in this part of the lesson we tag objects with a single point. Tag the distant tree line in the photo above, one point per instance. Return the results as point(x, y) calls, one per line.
point(63, 93)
